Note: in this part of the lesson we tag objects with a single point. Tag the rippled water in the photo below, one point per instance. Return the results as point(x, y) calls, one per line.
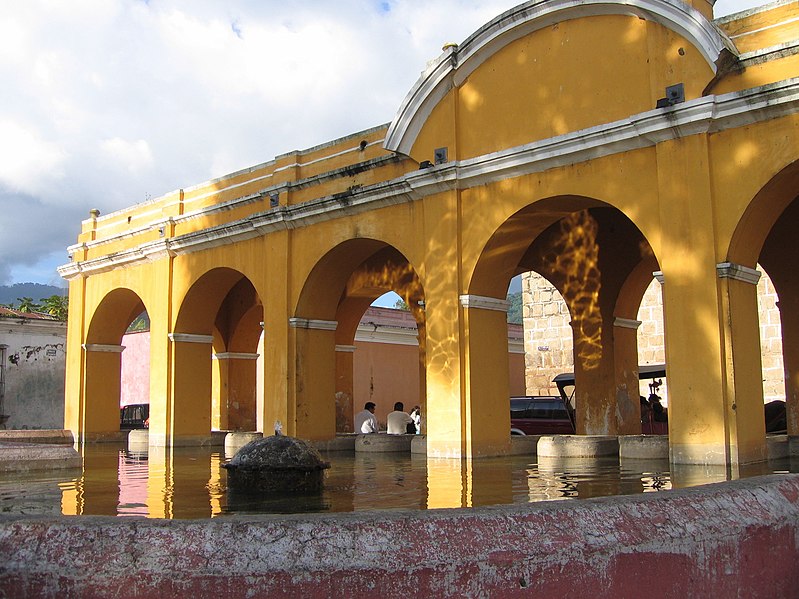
point(190, 483)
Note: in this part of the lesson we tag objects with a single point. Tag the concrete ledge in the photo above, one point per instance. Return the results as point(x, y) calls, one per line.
point(524, 444)
point(599, 548)
point(777, 446)
point(342, 442)
point(644, 447)
point(419, 445)
point(383, 443)
point(16, 457)
point(236, 440)
point(43, 436)
point(214, 439)
point(578, 446)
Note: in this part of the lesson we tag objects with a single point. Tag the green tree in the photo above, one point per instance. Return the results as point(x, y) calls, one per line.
point(515, 309)
point(56, 305)
point(400, 305)
point(26, 304)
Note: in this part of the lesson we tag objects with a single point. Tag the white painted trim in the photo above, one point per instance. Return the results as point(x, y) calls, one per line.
point(367, 333)
point(309, 323)
point(737, 272)
point(515, 346)
point(234, 356)
point(345, 349)
point(456, 63)
point(480, 302)
point(626, 323)
point(189, 338)
point(103, 348)
point(706, 114)
point(658, 274)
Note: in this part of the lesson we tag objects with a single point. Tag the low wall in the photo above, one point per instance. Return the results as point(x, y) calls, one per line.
point(737, 539)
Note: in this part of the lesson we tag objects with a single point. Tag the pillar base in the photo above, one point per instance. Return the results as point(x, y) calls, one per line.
point(578, 446)
point(236, 440)
point(644, 447)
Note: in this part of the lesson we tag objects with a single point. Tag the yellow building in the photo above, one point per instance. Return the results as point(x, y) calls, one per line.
point(595, 142)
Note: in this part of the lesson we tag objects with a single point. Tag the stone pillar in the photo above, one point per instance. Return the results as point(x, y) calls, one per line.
point(239, 370)
point(188, 410)
point(625, 350)
point(486, 394)
point(744, 418)
point(99, 407)
point(313, 345)
point(345, 356)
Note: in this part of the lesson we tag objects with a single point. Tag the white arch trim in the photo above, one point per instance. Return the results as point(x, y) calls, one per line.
point(456, 63)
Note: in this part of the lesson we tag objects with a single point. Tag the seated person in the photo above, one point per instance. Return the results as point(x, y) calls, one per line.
point(398, 420)
point(365, 420)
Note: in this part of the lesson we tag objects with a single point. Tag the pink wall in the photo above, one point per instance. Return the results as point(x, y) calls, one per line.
point(135, 377)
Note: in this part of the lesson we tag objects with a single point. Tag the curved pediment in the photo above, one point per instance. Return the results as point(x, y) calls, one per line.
point(457, 62)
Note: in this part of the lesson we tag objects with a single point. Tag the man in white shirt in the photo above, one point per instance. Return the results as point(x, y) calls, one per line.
point(398, 420)
point(366, 421)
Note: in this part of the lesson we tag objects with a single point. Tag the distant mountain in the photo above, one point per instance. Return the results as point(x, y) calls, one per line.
point(35, 291)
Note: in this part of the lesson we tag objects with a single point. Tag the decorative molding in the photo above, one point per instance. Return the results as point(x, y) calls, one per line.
point(626, 323)
point(368, 333)
point(705, 114)
point(190, 338)
point(234, 356)
point(345, 349)
point(658, 274)
point(480, 302)
point(103, 348)
point(456, 63)
point(309, 323)
point(737, 272)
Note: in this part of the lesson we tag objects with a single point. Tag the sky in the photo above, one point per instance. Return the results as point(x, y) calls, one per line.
point(108, 103)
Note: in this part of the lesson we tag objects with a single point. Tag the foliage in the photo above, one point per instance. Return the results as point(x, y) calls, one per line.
point(26, 304)
point(56, 305)
point(401, 305)
point(515, 310)
point(140, 323)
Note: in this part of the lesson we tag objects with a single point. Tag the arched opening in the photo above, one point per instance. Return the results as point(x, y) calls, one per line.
point(103, 363)
point(215, 357)
point(593, 258)
point(349, 358)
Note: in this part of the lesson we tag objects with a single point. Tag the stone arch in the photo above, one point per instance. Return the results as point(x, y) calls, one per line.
point(102, 355)
point(336, 293)
point(766, 236)
point(601, 263)
point(214, 356)
point(458, 62)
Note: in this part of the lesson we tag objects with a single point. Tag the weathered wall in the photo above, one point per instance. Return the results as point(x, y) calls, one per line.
point(737, 539)
point(34, 372)
point(135, 377)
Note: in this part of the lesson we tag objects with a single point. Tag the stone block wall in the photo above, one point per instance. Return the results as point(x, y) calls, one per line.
point(548, 336)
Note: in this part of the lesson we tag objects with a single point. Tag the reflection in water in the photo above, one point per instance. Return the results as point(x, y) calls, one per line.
point(190, 483)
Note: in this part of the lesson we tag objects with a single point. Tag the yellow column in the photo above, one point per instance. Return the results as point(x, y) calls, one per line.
point(625, 351)
point(100, 401)
point(743, 409)
point(75, 373)
point(238, 411)
point(314, 343)
point(486, 412)
point(188, 418)
point(345, 355)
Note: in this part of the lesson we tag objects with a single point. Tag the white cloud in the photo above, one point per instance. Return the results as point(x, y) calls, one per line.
point(107, 102)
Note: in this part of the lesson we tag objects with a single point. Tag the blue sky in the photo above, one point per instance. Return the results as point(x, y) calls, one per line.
point(107, 103)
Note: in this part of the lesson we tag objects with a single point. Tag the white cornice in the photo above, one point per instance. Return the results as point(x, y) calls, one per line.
point(310, 323)
point(480, 302)
point(456, 63)
point(705, 114)
point(369, 333)
point(190, 338)
point(103, 348)
point(626, 323)
point(234, 356)
point(737, 272)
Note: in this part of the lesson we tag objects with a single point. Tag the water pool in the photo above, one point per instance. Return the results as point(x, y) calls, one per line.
point(189, 483)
